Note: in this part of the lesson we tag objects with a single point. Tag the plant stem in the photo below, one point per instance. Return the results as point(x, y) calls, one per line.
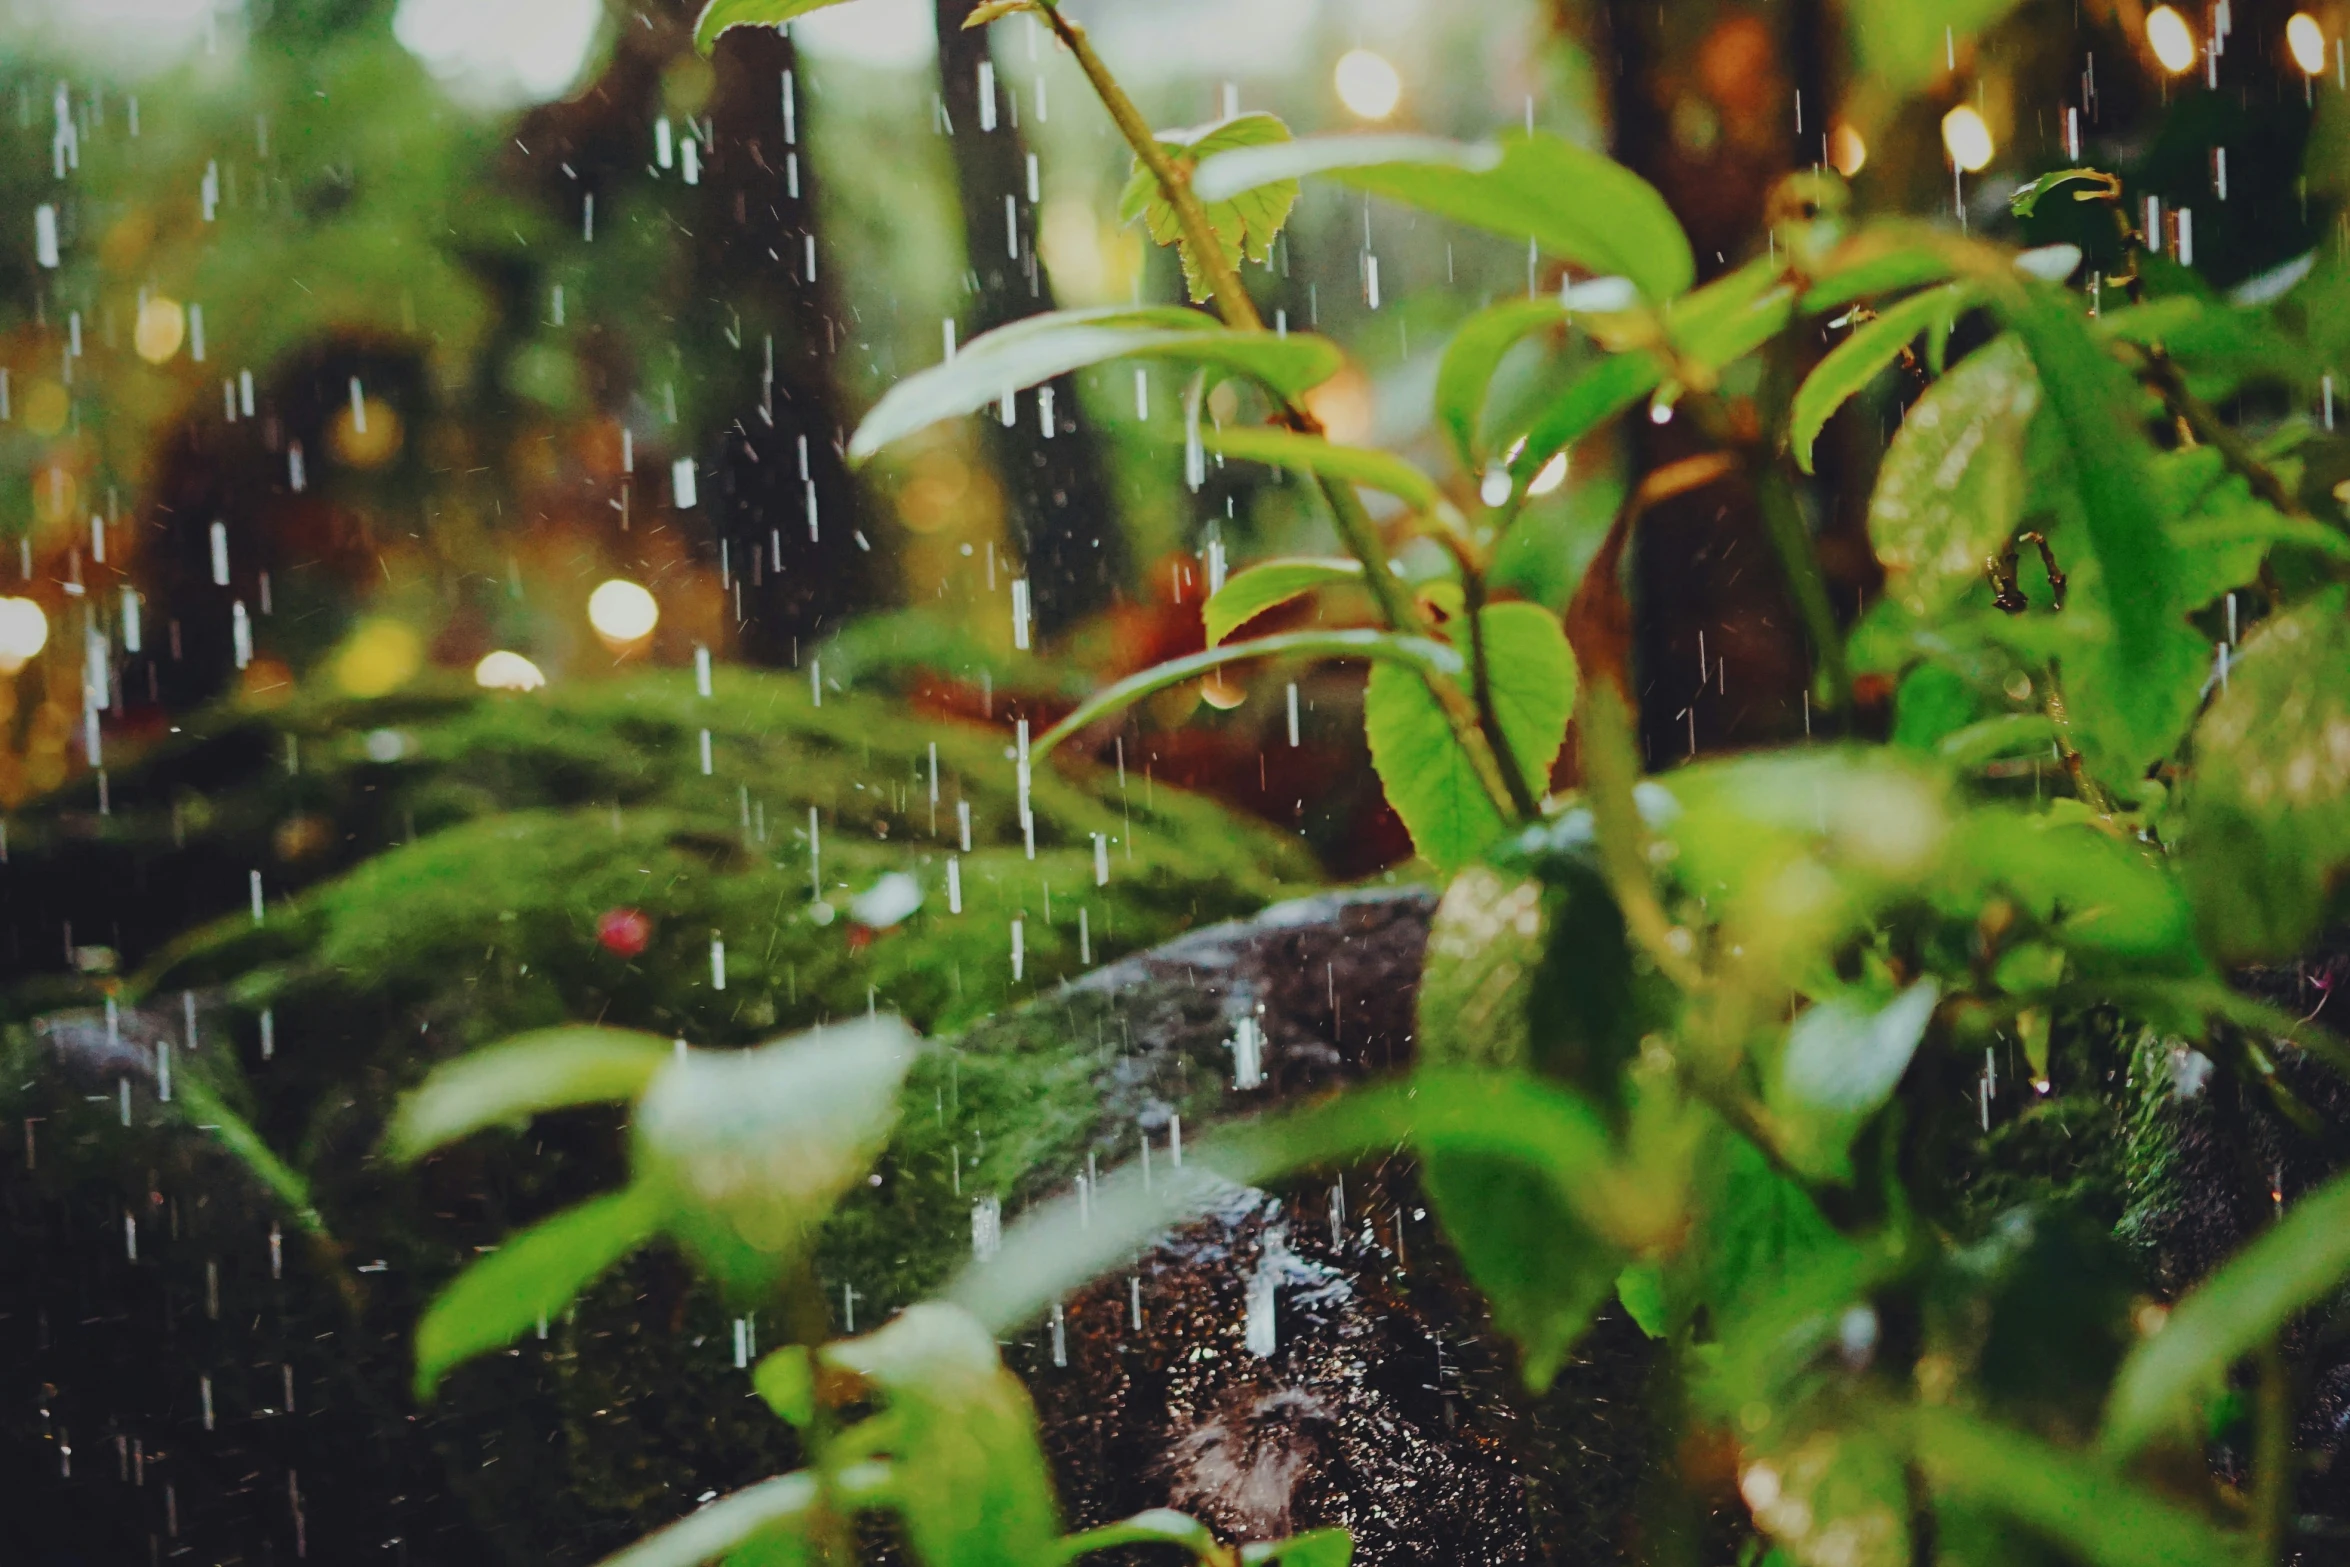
point(2272, 1457)
point(2085, 784)
point(1481, 686)
point(1611, 769)
point(2163, 372)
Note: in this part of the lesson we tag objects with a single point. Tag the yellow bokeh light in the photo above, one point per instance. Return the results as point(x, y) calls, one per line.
point(2171, 39)
point(1220, 691)
point(24, 631)
point(162, 327)
point(1368, 85)
point(1967, 139)
point(623, 612)
point(46, 405)
point(379, 657)
point(1847, 151)
point(368, 447)
point(504, 671)
point(2307, 40)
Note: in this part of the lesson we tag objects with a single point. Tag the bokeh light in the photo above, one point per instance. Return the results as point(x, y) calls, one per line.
point(2307, 41)
point(24, 631)
point(505, 671)
point(499, 53)
point(380, 656)
point(623, 612)
point(162, 327)
point(1368, 85)
point(1967, 139)
point(1846, 150)
point(2171, 39)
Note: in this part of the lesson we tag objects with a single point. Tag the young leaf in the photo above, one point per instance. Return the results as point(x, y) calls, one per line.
point(507, 1084)
point(1013, 358)
point(1321, 1548)
point(209, 1111)
point(719, 15)
point(1245, 221)
point(1856, 361)
point(1732, 316)
point(1952, 489)
point(749, 1149)
point(738, 1521)
point(2295, 1263)
point(2092, 1511)
point(1598, 395)
point(2267, 832)
point(1422, 655)
point(1327, 459)
point(1154, 1526)
point(1641, 1290)
point(533, 1276)
point(1471, 358)
point(786, 1379)
point(983, 1496)
point(1574, 203)
point(1840, 1066)
point(2103, 186)
point(1241, 599)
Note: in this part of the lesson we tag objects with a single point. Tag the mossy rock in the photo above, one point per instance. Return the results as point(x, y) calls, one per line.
point(434, 869)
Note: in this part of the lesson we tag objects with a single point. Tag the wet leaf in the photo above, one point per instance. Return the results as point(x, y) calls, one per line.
point(507, 1084)
point(1321, 1548)
point(533, 1276)
point(1013, 358)
point(984, 1497)
point(750, 1148)
point(1540, 1267)
point(1858, 360)
point(1154, 1526)
point(2090, 1510)
point(1732, 316)
point(1248, 595)
point(1843, 1059)
point(740, 1521)
point(1470, 360)
point(1575, 203)
point(1485, 946)
point(1428, 779)
point(2267, 809)
point(1245, 221)
point(1327, 459)
point(719, 15)
point(1952, 488)
point(1597, 395)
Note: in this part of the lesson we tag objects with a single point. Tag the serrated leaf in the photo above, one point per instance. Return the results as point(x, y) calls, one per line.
point(1575, 203)
point(1327, 459)
point(533, 1276)
point(965, 1427)
point(1952, 488)
point(2266, 837)
point(1470, 360)
point(749, 1149)
point(1842, 1060)
point(1854, 363)
point(1013, 358)
point(1428, 778)
point(1248, 595)
point(507, 1084)
point(2290, 1266)
point(1245, 222)
point(719, 15)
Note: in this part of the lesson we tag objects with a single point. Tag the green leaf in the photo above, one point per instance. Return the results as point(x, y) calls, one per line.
point(1245, 221)
point(533, 1276)
point(2152, 662)
point(1952, 488)
point(1060, 1245)
point(983, 1496)
point(1573, 202)
point(2290, 1266)
point(738, 1521)
point(1732, 316)
point(719, 15)
point(210, 1112)
point(1540, 1268)
point(2025, 201)
point(786, 1379)
point(1832, 1498)
point(1641, 1289)
point(1598, 395)
point(1321, 1548)
point(2266, 837)
point(1485, 947)
point(2093, 1512)
point(507, 1084)
point(1327, 459)
point(996, 11)
point(1842, 1062)
point(1872, 264)
point(1012, 358)
point(749, 1149)
point(1244, 597)
point(1855, 362)
point(1428, 778)
point(1154, 1526)
point(1470, 360)
point(2097, 895)
point(1423, 655)
point(1902, 47)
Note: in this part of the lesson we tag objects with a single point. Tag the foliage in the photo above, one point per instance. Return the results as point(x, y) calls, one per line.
point(1688, 1038)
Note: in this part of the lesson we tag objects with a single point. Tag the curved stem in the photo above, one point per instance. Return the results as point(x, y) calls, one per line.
point(1481, 688)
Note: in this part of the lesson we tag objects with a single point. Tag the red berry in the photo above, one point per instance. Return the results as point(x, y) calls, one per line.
point(624, 932)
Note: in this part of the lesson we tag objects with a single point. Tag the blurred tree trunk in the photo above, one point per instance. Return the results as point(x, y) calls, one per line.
point(1059, 507)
